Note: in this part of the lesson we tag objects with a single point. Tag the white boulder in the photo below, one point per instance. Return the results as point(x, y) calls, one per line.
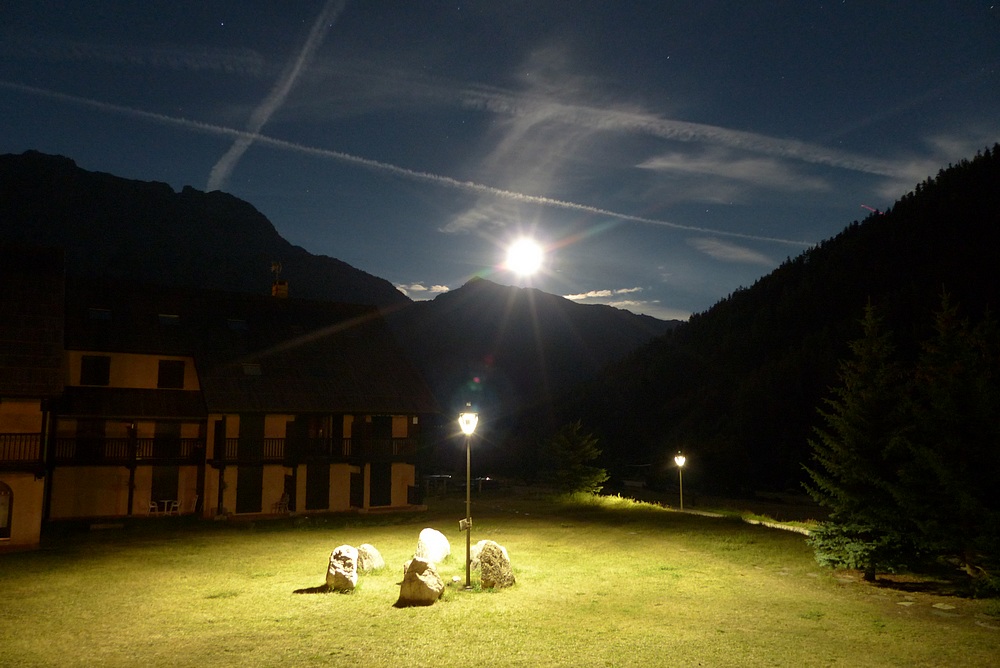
point(342, 573)
point(421, 584)
point(432, 546)
point(369, 559)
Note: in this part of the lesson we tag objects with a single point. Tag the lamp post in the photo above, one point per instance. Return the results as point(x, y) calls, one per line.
point(679, 460)
point(468, 421)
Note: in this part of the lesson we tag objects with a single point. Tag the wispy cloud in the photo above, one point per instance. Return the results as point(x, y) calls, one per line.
point(419, 291)
point(629, 299)
point(726, 252)
point(171, 57)
point(224, 167)
point(623, 120)
point(544, 142)
point(548, 100)
point(485, 215)
point(375, 165)
point(631, 304)
point(941, 149)
point(556, 95)
point(761, 172)
point(601, 294)
point(544, 124)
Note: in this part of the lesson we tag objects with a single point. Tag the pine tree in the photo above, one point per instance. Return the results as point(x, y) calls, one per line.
point(853, 462)
point(948, 485)
point(571, 452)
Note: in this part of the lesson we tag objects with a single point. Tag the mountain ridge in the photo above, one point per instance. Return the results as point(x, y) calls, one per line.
point(524, 345)
point(124, 228)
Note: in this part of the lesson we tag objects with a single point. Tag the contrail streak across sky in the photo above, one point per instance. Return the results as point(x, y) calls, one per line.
point(224, 167)
point(375, 165)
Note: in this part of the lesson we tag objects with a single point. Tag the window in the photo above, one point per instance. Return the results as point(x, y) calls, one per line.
point(236, 324)
point(169, 318)
point(6, 510)
point(170, 375)
point(99, 314)
point(95, 370)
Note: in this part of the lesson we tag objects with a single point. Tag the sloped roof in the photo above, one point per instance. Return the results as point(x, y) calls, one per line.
point(125, 403)
point(255, 353)
point(31, 322)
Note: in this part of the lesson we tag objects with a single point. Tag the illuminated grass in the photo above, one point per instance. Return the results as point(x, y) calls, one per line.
point(599, 583)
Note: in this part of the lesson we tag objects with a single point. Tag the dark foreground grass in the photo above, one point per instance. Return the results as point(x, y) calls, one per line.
point(616, 584)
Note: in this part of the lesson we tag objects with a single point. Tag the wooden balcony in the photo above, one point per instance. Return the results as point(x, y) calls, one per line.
point(293, 452)
point(20, 451)
point(119, 451)
point(24, 451)
point(250, 451)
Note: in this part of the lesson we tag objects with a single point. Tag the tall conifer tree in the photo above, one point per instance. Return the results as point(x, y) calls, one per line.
point(571, 452)
point(853, 469)
point(948, 485)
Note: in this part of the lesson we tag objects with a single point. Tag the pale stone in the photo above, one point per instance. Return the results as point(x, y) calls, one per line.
point(421, 584)
point(495, 571)
point(432, 546)
point(369, 559)
point(342, 574)
point(476, 549)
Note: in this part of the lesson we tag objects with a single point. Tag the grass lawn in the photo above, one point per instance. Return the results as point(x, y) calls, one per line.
point(616, 584)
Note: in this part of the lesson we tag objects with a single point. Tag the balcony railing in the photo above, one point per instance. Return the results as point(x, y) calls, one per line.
point(252, 450)
point(280, 450)
point(25, 449)
point(20, 448)
point(97, 450)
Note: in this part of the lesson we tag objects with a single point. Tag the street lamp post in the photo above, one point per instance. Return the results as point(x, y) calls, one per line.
point(679, 460)
point(468, 421)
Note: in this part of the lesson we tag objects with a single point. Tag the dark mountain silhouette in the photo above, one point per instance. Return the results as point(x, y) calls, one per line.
point(505, 348)
point(144, 231)
point(738, 387)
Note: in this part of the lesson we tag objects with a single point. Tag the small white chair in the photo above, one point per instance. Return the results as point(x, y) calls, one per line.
point(173, 508)
point(281, 505)
point(153, 508)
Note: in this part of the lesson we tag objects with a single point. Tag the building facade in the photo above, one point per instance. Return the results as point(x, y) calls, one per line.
point(167, 400)
point(32, 371)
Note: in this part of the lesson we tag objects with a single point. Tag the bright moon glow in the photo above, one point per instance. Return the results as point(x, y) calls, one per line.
point(524, 257)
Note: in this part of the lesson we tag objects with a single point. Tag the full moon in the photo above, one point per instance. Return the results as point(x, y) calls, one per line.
point(524, 257)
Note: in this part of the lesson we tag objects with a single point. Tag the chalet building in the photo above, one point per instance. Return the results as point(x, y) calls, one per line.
point(166, 400)
point(32, 372)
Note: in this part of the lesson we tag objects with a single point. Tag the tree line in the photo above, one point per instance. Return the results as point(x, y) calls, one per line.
point(908, 452)
point(736, 387)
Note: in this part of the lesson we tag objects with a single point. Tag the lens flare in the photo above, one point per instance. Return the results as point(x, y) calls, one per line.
point(524, 257)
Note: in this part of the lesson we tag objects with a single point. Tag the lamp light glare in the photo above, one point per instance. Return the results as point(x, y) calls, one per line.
point(680, 459)
point(468, 421)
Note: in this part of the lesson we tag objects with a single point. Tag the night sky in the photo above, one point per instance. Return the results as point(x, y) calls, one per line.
point(663, 153)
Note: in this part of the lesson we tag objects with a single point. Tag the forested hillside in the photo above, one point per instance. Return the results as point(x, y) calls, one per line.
point(738, 387)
